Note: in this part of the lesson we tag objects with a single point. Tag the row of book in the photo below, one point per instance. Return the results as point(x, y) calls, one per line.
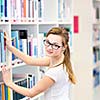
point(20, 80)
point(5, 93)
point(23, 9)
point(31, 9)
point(18, 9)
point(64, 9)
point(30, 45)
point(27, 82)
point(27, 43)
point(3, 8)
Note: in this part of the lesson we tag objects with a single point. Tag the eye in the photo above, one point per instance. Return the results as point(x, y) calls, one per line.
point(56, 45)
point(46, 42)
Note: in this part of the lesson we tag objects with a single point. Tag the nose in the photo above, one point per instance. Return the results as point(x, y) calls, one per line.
point(49, 47)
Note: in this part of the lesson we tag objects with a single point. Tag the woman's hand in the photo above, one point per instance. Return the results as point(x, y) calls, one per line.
point(7, 39)
point(6, 75)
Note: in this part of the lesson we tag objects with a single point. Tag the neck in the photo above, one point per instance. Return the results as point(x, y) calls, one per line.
point(57, 61)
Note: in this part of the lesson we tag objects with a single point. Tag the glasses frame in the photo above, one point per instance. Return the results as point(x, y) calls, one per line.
point(53, 45)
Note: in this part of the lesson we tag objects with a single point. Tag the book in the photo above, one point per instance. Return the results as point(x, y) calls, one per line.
point(6, 92)
point(3, 91)
point(2, 8)
point(21, 80)
point(3, 49)
point(23, 83)
point(0, 93)
point(30, 80)
point(5, 8)
point(23, 41)
point(97, 13)
point(32, 46)
point(15, 41)
point(9, 94)
point(41, 48)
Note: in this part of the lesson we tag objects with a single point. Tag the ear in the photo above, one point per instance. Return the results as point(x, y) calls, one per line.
point(64, 48)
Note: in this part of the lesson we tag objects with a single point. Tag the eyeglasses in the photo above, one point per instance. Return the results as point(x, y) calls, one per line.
point(53, 45)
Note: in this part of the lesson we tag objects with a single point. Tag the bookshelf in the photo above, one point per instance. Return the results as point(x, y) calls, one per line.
point(33, 18)
point(96, 48)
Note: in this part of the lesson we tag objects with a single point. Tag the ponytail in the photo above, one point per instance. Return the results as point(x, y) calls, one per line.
point(68, 65)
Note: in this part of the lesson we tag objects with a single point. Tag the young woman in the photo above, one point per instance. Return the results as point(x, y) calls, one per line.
point(55, 83)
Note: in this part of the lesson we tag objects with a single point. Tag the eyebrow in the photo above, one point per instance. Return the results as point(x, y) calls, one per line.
point(54, 42)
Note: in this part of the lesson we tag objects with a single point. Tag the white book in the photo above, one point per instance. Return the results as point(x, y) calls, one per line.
point(35, 9)
point(18, 9)
point(34, 48)
point(41, 51)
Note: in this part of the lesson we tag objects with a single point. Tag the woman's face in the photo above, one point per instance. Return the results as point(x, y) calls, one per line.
point(53, 45)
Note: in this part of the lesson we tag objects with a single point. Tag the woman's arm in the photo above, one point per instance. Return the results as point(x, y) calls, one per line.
point(40, 87)
point(28, 59)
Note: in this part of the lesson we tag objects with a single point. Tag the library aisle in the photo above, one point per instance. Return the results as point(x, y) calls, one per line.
point(28, 25)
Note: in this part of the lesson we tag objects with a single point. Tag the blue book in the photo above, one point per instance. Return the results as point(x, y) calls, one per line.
point(2, 8)
point(5, 8)
point(13, 44)
point(3, 58)
point(6, 92)
point(15, 39)
point(15, 35)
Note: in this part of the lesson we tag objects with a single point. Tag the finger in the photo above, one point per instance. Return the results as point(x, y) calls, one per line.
point(5, 37)
point(5, 33)
point(4, 67)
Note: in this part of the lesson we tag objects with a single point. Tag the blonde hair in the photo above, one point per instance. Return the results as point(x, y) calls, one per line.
point(65, 37)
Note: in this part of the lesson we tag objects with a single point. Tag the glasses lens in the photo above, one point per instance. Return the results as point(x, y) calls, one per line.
point(46, 43)
point(55, 47)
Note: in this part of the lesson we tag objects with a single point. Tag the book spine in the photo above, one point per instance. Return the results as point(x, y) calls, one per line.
point(3, 58)
point(9, 94)
point(0, 93)
point(5, 8)
point(2, 8)
point(15, 41)
point(25, 8)
point(30, 80)
point(34, 47)
point(6, 92)
point(3, 91)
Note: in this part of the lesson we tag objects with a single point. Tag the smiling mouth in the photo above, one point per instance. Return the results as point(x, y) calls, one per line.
point(49, 52)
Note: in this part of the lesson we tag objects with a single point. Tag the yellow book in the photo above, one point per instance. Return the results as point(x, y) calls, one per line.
point(9, 94)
